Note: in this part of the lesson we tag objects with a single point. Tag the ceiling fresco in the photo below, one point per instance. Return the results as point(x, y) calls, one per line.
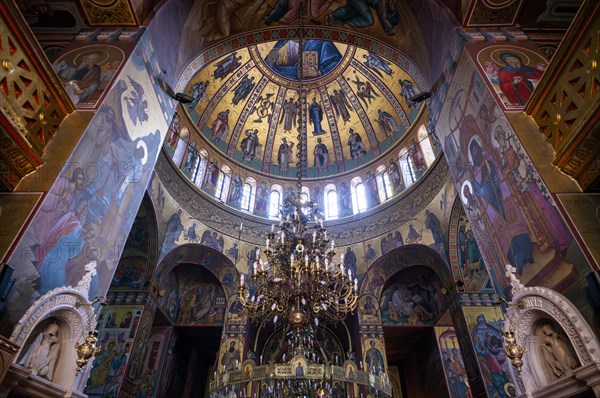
point(246, 105)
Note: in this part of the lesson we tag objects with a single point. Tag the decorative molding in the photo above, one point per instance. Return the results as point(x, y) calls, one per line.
point(349, 230)
point(33, 99)
point(565, 103)
point(530, 304)
point(73, 299)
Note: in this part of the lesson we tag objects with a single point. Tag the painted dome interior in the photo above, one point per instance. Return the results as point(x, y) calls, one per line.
point(244, 119)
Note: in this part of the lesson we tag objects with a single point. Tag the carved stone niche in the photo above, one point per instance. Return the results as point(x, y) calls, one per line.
point(45, 366)
point(563, 357)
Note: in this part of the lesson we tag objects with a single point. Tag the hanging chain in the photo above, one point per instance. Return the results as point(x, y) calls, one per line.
point(302, 96)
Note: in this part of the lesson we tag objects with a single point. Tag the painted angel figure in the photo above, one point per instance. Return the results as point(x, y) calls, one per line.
point(365, 91)
point(408, 92)
point(377, 64)
point(388, 125)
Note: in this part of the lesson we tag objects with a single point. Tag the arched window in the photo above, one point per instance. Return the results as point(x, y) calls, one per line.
point(201, 168)
point(406, 167)
point(384, 184)
point(275, 200)
point(331, 202)
point(425, 142)
point(359, 196)
point(173, 134)
point(249, 194)
point(305, 195)
point(182, 144)
point(222, 189)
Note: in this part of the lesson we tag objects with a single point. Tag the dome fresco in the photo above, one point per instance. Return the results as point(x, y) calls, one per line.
point(244, 120)
point(355, 108)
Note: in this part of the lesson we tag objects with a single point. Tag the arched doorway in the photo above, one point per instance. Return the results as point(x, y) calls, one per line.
point(405, 300)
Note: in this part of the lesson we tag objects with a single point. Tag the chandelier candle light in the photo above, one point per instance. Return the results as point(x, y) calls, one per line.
point(299, 280)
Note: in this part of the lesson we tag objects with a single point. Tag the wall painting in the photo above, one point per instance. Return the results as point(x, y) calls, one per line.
point(485, 326)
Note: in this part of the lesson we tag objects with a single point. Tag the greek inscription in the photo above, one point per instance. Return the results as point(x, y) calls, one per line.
point(533, 302)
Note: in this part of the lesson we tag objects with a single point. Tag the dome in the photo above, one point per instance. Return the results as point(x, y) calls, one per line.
point(243, 114)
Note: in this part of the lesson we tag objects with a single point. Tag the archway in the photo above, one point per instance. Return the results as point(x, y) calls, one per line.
point(196, 289)
point(405, 296)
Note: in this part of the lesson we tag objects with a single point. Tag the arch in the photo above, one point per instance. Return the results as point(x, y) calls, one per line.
point(223, 183)
point(182, 144)
point(425, 143)
point(135, 267)
point(406, 167)
point(305, 194)
point(384, 184)
point(359, 196)
point(71, 310)
point(198, 299)
point(248, 194)
point(531, 305)
point(275, 198)
point(331, 202)
point(201, 167)
point(401, 258)
point(193, 253)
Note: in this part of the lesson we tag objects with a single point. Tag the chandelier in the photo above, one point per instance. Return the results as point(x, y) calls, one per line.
point(297, 284)
point(298, 279)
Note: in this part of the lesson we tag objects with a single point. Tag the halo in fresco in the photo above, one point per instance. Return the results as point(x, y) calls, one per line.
point(513, 72)
point(246, 105)
point(320, 58)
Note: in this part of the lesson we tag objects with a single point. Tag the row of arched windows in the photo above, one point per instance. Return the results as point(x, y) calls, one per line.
point(334, 201)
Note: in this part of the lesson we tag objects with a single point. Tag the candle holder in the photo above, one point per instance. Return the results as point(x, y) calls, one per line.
point(513, 350)
point(87, 350)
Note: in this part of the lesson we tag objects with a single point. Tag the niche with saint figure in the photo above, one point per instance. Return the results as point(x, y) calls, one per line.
point(555, 353)
point(42, 352)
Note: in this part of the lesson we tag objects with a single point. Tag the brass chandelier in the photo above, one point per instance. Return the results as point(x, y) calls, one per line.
point(299, 280)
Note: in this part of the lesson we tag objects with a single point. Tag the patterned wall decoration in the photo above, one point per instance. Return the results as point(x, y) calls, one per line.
point(492, 12)
point(87, 214)
point(565, 106)
point(511, 214)
point(485, 328)
point(118, 325)
point(240, 246)
point(388, 218)
point(412, 298)
point(452, 361)
point(513, 72)
point(87, 71)
point(108, 12)
point(29, 101)
point(15, 161)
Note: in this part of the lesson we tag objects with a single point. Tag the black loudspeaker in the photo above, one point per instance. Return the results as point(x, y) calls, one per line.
point(593, 287)
point(6, 282)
